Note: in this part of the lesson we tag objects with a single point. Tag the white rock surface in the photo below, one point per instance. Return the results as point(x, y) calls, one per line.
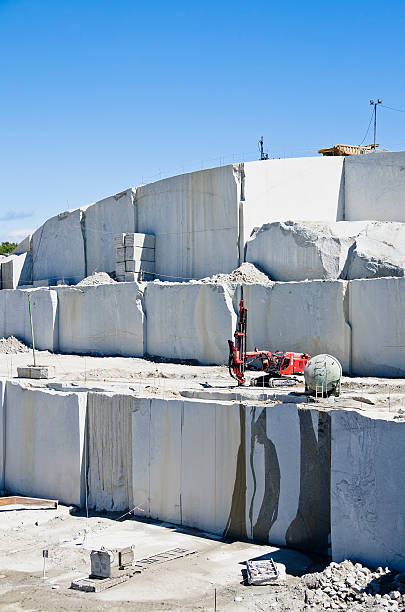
point(14, 316)
point(45, 443)
point(2, 433)
point(377, 315)
point(24, 246)
point(302, 187)
point(110, 451)
point(103, 319)
point(307, 317)
point(113, 215)
point(300, 250)
point(195, 218)
point(16, 270)
point(58, 248)
point(367, 494)
point(189, 321)
point(375, 187)
point(379, 250)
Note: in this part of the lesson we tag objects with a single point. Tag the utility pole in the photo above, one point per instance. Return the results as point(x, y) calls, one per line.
point(263, 155)
point(375, 120)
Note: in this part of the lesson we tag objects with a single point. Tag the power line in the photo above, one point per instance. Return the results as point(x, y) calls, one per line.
point(398, 110)
point(368, 128)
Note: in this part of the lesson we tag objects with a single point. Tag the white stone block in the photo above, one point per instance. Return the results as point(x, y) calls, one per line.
point(375, 187)
point(379, 250)
point(110, 451)
point(377, 315)
point(195, 218)
point(2, 432)
point(16, 270)
point(120, 268)
point(58, 248)
point(301, 250)
point(102, 319)
point(300, 188)
point(119, 240)
point(140, 240)
point(309, 317)
point(119, 254)
point(15, 321)
point(367, 493)
point(139, 253)
point(136, 266)
point(45, 443)
point(24, 246)
point(189, 321)
point(103, 221)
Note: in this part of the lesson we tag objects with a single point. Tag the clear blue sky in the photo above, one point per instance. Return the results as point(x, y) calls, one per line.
point(98, 95)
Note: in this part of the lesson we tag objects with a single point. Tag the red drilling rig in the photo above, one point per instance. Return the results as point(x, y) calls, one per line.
point(276, 365)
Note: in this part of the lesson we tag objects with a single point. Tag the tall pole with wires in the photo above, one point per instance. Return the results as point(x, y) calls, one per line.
point(375, 120)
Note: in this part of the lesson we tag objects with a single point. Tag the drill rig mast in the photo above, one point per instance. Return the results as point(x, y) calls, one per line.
point(276, 365)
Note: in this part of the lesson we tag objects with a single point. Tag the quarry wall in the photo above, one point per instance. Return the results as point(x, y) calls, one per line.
point(44, 434)
point(101, 319)
point(334, 480)
point(367, 496)
point(195, 218)
point(203, 219)
point(360, 322)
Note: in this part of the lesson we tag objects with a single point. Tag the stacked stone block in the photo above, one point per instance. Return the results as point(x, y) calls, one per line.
point(134, 257)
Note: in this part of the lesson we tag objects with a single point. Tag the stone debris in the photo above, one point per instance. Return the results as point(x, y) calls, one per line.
point(98, 278)
point(12, 345)
point(343, 586)
point(309, 250)
point(247, 273)
point(265, 572)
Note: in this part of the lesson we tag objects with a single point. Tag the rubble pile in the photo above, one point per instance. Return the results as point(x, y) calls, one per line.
point(247, 273)
point(98, 278)
point(344, 586)
point(12, 345)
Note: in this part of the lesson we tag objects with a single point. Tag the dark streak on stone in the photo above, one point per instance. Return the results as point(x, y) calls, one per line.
point(236, 524)
point(310, 529)
point(269, 509)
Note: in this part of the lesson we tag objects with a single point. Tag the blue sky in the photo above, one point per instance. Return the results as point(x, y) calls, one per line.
point(98, 96)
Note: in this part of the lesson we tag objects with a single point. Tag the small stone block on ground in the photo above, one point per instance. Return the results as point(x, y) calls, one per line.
point(265, 572)
point(36, 372)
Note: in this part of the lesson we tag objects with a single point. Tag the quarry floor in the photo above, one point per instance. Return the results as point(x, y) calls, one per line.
point(385, 396)
point(188, 583)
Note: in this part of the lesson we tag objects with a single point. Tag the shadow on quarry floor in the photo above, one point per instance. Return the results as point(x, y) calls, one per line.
point(291, 558)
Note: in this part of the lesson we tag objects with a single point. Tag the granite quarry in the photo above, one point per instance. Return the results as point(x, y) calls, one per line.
point(133, 301)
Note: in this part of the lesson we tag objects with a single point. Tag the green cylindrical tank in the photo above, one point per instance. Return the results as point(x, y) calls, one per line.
point(322, 376)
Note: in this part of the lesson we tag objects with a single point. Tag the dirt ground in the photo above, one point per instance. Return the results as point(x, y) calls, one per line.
point(188, 583)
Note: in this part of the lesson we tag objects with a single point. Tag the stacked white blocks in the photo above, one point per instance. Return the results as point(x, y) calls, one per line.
point(134, 257)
